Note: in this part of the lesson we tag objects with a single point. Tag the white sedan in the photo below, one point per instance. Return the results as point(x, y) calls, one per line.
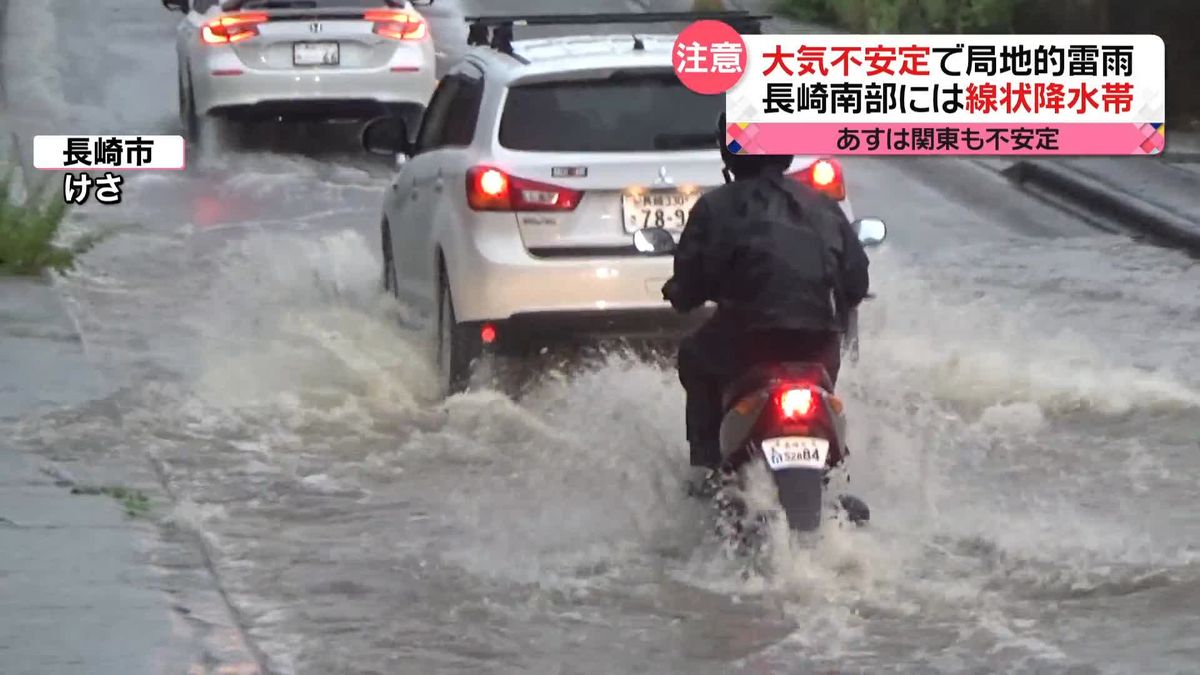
point(302, 59)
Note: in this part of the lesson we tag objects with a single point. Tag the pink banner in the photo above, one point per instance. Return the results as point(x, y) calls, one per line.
point(790, 138)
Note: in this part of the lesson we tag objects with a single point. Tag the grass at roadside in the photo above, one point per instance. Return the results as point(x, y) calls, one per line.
point(135, 502)
point(29, 228)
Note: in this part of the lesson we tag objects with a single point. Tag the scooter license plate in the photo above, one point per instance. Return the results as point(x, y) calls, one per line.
point(795, 452)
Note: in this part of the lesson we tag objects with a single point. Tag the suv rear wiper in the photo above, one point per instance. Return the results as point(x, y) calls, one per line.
point(647, 75)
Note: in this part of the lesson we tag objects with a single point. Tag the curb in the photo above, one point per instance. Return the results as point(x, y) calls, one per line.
point(1093, 194)
point(3, 13)
point(1187, 157)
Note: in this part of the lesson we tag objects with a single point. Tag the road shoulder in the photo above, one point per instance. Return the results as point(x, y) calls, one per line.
point(1145, 194)
point(78, 597)
point(93, 581)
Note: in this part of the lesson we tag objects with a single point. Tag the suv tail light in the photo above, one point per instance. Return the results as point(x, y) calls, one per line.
point(798, 402)
point(231, 28)
point(490, 189)
point(824, 175)
point(397, 24)
point(487, 333)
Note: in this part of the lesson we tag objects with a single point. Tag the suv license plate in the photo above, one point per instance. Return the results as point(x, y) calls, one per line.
point(667, 209)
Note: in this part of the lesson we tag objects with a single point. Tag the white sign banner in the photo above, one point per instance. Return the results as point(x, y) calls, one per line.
point(949, 94)
point(112, 153)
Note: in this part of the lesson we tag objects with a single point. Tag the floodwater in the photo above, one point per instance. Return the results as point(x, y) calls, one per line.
point(1025, 418)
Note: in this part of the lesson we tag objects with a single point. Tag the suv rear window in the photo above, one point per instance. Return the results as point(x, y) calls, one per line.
point(625, 113)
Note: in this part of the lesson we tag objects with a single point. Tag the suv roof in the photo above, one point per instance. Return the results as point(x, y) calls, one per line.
point(491, 39)
point(544, 56)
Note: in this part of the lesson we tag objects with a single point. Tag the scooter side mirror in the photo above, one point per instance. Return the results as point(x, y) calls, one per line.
point(871, 231)
point(654, 241)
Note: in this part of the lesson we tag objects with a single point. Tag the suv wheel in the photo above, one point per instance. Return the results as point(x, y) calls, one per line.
point(389, 264)
point(457, 346)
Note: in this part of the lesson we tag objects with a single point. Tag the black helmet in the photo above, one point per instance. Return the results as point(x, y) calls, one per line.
point(747, 166)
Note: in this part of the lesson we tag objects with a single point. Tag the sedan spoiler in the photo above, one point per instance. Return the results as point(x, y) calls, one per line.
point(307, 7)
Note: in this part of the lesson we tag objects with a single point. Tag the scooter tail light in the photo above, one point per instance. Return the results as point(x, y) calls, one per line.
point(798, 402)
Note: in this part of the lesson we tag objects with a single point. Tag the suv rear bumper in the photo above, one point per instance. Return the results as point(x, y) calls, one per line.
point(494, 277)
point(533, 330)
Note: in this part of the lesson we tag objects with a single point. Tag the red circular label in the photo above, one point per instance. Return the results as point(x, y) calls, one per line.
point(709, 57)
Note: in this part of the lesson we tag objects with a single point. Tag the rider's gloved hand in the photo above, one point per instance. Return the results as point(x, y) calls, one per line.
point(670, 293)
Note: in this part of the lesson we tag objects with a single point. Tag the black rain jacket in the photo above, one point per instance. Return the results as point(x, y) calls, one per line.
point(766, 273)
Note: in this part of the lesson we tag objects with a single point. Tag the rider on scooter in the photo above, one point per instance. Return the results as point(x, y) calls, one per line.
point(785, 268)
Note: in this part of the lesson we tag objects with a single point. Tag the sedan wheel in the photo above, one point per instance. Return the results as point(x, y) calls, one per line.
point(187, 114)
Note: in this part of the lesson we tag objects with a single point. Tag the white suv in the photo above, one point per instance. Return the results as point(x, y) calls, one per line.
point(510, 220)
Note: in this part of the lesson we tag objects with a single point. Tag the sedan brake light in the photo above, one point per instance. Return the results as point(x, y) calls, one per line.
point(397, 24)
point(231, 28)
point(824, 175)
point(490, 189)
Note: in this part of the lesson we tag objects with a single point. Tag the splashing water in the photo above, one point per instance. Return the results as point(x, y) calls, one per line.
point(300, 407)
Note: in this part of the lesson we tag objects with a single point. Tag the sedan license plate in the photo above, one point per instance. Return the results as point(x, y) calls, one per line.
point(666, 209)
point(796, 452)
point(316, 54)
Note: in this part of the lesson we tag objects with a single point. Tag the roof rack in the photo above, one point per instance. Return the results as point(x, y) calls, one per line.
point(497, 31)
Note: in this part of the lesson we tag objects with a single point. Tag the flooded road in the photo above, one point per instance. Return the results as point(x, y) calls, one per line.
point(1025, 418)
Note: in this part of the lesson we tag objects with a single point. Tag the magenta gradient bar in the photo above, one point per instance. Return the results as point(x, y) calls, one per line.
point(801, 138)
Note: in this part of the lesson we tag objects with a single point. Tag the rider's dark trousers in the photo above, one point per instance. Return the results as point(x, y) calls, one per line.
point(718, 352)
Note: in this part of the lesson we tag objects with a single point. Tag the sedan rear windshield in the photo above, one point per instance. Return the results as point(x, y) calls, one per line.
point(304, 4)
point(629, 113)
